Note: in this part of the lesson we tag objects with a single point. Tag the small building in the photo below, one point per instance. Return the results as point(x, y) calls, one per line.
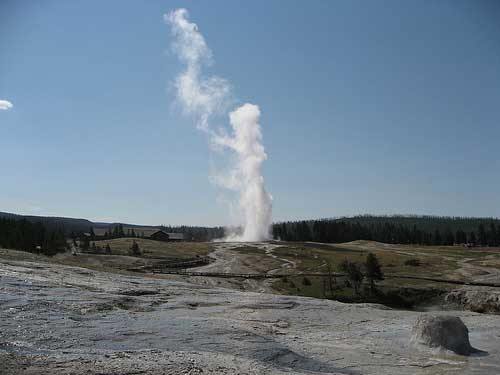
point(161, 235)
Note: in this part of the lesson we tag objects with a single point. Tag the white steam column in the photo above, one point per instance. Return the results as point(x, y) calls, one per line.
point(205, 96)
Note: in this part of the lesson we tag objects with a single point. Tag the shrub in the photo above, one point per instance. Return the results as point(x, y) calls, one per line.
point(412, 262)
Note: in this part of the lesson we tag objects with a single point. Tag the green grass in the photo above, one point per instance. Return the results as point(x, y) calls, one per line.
point(158, 249)
point(247, 249)
point(309, 258)
point(119, 261)
point(437, 262)
point(415, 294)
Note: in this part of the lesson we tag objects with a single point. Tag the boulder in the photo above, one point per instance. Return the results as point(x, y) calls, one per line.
point(442, 331)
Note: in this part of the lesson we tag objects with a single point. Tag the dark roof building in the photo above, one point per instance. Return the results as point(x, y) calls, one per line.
point(160, 235)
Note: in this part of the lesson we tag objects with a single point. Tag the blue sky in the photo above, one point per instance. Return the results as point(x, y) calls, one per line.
point(377, 107)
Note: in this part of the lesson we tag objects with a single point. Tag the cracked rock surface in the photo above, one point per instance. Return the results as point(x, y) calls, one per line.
point(58, 319)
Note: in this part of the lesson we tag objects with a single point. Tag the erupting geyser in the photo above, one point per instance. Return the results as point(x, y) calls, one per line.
point(205, 96)
point(255, 201)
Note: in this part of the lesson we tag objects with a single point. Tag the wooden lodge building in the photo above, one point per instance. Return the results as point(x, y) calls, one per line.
point(160, 235)
point(140, 232)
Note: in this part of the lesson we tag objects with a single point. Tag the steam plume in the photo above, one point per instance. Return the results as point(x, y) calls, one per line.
point(206, 96)
point(198, 95)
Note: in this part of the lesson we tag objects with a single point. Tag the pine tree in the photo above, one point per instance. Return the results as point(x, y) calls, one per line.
point(135, 250)
point(354, 273)
point(460, 237)
point(437, 238)
point(472, 239)
point(85, 244)
point(492, 235)
point(373, 270)
point(481, 235)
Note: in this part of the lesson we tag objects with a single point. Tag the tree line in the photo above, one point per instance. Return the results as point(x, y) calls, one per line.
point(487, 233)
point(29, 236)
point(190, 233)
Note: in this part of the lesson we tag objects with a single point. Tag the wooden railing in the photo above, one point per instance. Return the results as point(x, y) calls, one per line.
point(312, 274)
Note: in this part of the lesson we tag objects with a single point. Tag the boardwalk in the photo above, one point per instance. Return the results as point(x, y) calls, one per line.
point(278, 276)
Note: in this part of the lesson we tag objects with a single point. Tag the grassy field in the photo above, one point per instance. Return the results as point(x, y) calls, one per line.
point(255, 259)
point(452, 262)
point(120, 260)
point(315, 258)
point(158, 249)
point(437, 262)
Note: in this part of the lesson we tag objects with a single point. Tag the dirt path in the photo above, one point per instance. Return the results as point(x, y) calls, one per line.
point(228, 260)
point(288, 265)
point(471, 271)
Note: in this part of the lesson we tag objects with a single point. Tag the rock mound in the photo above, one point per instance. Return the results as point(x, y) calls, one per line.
point(483, 300)
point(440, 331)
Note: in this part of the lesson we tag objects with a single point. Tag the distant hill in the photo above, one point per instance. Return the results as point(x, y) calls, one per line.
point(66, 223)
point(69, 225)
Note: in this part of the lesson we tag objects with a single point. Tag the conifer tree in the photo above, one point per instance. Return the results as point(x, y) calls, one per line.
point(373, 270)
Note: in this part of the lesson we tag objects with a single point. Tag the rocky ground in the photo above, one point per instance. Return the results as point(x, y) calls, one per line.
point(57, 319)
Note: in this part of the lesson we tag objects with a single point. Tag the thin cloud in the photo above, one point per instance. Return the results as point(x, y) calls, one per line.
point(5, 105)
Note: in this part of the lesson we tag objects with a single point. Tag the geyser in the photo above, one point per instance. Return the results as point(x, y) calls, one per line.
point(205, 96)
